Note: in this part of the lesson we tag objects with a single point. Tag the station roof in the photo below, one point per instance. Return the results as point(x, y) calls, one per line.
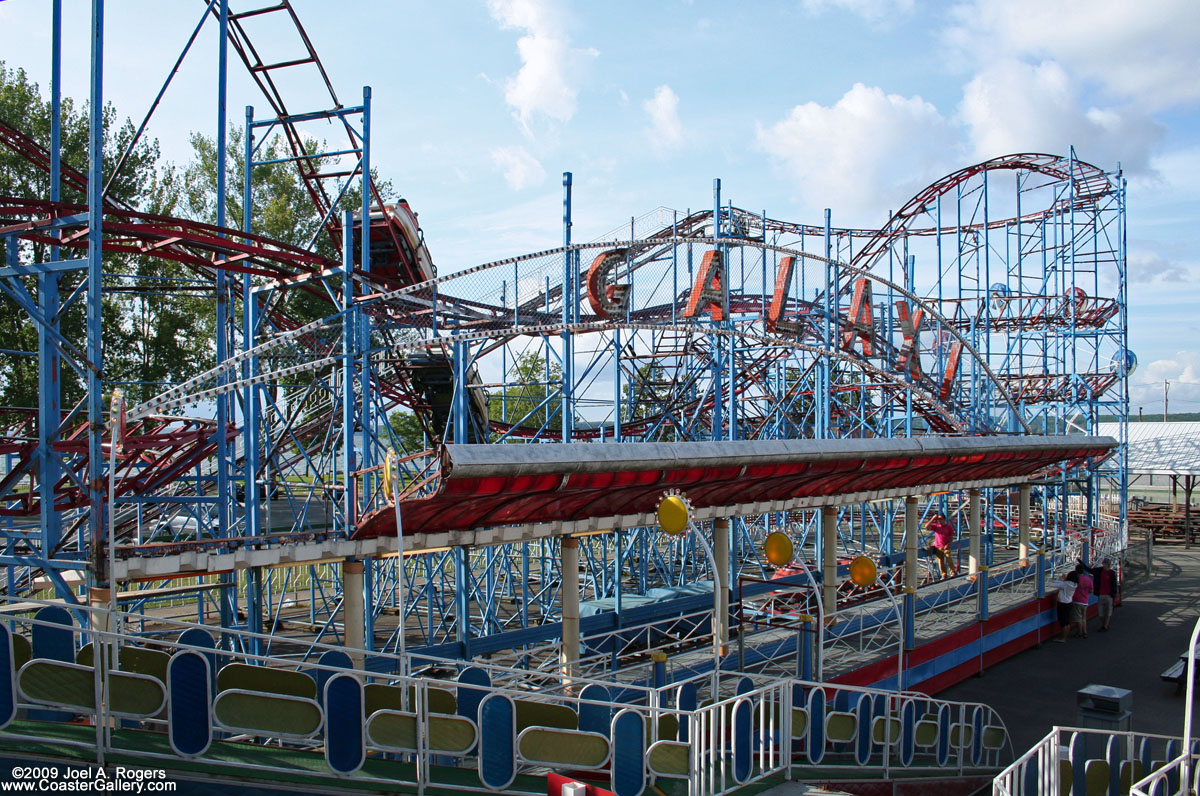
point(491, 494)
point(1160, 448)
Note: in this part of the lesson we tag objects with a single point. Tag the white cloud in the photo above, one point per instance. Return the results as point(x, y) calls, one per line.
point(665, 131)
point(546, 82)
point(1150, 266)
point(1017, 107)
point(520, 168)
point(874, 11)
point(1143, 53)
point(867, 153)
point(1183, 371)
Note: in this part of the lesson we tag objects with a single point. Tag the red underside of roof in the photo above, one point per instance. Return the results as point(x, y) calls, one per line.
point(465, 503)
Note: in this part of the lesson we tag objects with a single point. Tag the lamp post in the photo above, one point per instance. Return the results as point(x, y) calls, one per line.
point(865, 573)
point(393, 487)
point(674, 517)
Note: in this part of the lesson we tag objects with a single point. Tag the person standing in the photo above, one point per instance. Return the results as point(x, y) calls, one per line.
point(1066, 592)
point(1081, 598)
point(943, 537)
point(1108, 587)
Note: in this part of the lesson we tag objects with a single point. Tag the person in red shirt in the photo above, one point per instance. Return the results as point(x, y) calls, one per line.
point(1107, 589)
point(943, 537)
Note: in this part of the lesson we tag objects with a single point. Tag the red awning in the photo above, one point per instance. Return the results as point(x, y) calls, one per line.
point(534, 490)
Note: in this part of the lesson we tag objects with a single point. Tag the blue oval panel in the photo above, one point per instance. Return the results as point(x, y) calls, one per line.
point(816, 726)
point(977, 736)
point(863, 741)
point(49, 641)
point(943, 738)
point(685, 699)
point(333, 658)
point(345, 746)
point(468, 697)
point(497, 741)
point(8, 702)
point(628, 757)
point(189, 717)
point(595, 714)
point(908, 733)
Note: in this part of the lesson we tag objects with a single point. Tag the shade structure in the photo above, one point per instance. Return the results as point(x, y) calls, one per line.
point(488, 494)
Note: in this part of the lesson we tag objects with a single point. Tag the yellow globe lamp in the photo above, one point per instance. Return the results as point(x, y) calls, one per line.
point(673, 514)
point(778, 549)
point(863, 571)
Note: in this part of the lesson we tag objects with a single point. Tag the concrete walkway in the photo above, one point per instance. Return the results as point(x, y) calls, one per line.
point(1035, 690)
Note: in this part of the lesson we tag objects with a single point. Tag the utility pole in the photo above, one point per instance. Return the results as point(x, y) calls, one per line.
point(1166, 396)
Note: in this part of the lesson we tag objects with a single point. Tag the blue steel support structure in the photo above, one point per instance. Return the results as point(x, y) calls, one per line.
point(95, 350)
point(49, 365)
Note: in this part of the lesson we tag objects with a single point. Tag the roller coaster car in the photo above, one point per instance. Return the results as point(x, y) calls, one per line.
point(399, 255)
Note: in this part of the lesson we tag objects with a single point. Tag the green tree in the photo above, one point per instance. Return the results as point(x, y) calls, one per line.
point(135, 349)
point(407, 428)
point(529, 387)
point(282, 209)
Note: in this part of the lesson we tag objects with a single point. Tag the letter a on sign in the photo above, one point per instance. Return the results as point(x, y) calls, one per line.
point(707, 294)
point(783, 281)
point(859, 320)
point(607, 300)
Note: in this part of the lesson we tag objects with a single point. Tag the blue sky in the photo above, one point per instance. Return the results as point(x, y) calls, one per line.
point(479, 105)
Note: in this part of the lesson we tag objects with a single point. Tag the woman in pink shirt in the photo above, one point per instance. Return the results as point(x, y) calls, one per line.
point(943, 537)
point(1079, 602)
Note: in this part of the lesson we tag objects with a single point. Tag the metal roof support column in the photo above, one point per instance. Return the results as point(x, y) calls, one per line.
point(912, 574)
point(829, 538)
point(462, 599)
point(974, 531)
point(1023, 493)
point(569, 653)
point(352, 609)
point(721, 581)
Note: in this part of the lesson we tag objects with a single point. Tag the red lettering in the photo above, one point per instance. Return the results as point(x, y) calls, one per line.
point(951, 370)
point(607, 300)
point(783, 281)
point(860, 319)
point(707, 290)
point(910, 328)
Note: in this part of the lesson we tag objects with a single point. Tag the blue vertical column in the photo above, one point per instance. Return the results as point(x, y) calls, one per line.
point(349, 352)
point(250, 441)
point(718, 346)
point(366, 397)
point(569, 304)
point(823, 366)
point(95, 407)
point(224, 499)
point(49, 365)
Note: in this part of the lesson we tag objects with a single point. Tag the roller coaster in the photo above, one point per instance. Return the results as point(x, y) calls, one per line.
point(273, 490)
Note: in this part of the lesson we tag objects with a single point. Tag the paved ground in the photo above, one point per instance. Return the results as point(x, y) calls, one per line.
point(1035, 690)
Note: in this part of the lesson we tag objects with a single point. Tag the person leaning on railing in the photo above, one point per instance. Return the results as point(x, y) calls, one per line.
point(1066, 592)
